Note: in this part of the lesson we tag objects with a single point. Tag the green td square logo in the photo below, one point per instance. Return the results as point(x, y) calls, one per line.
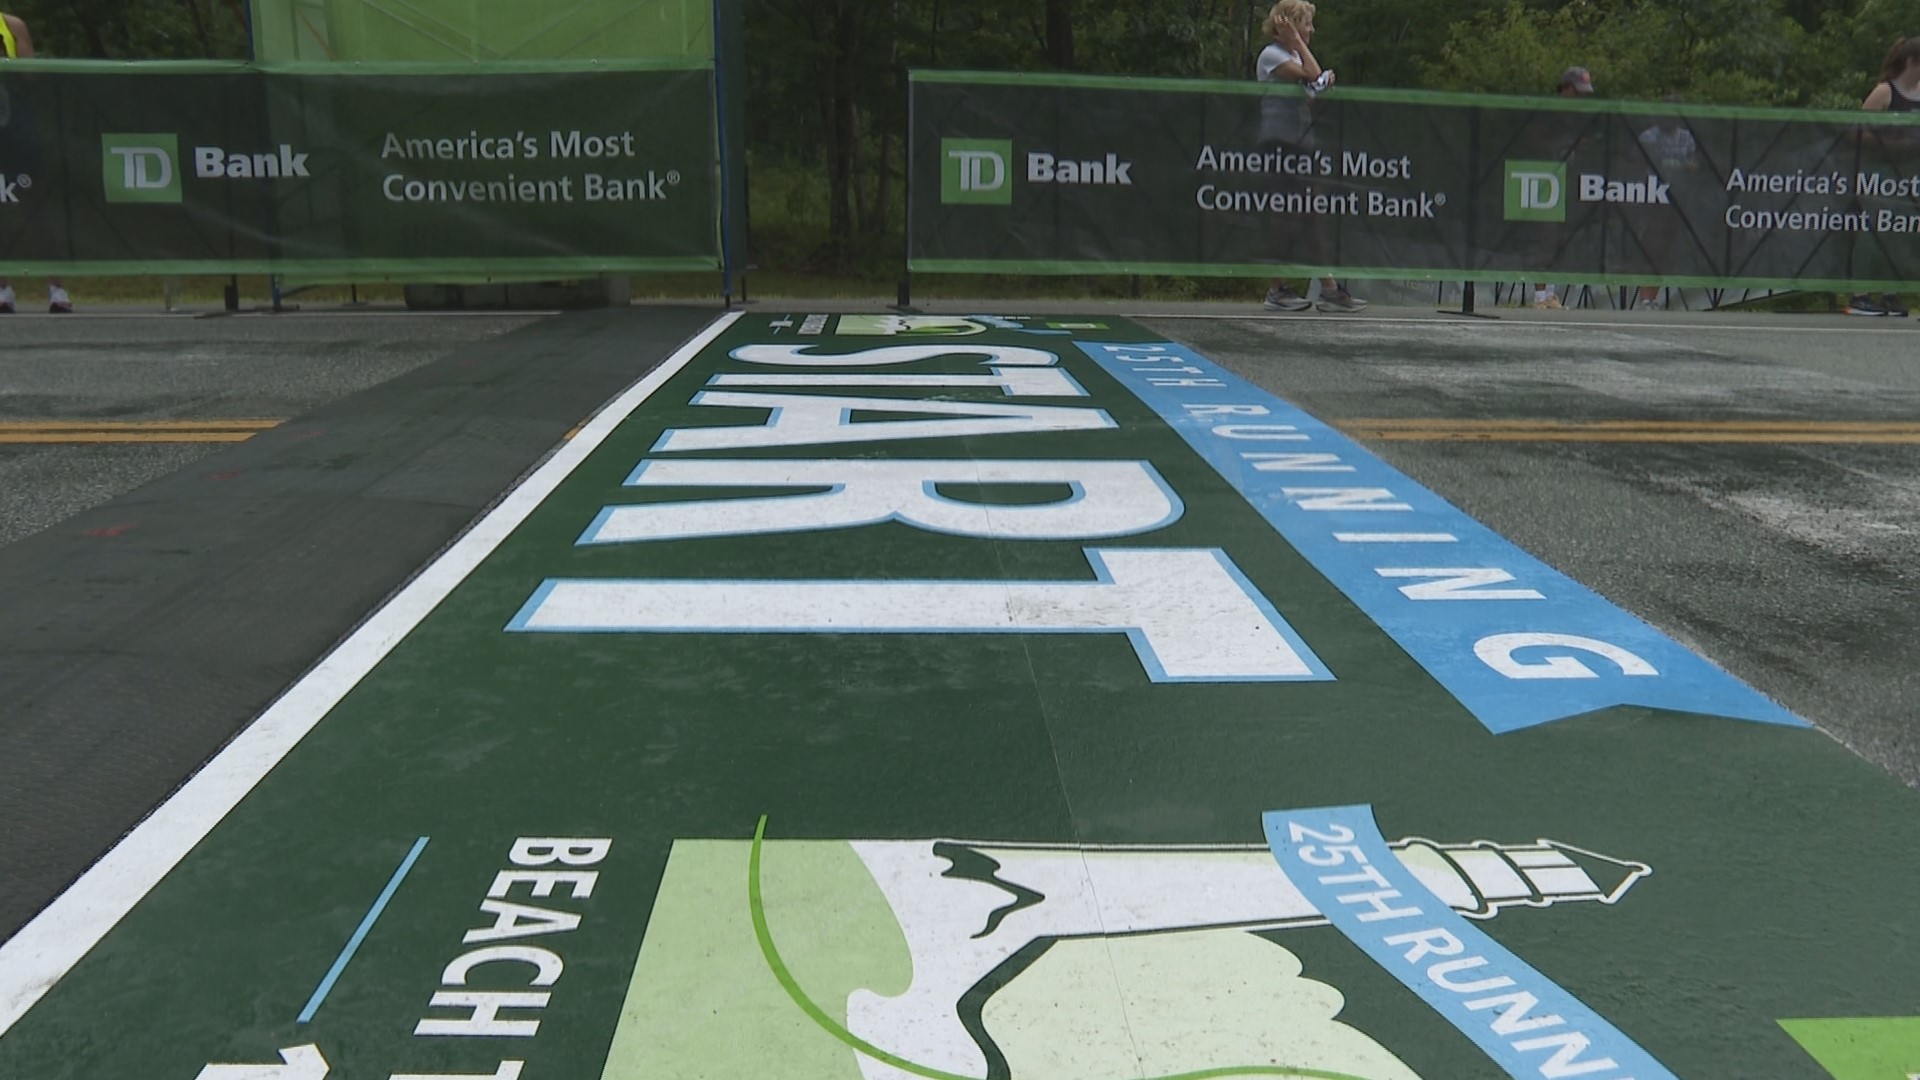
point(976, 171)
point(140, 168)
point(1536, 191)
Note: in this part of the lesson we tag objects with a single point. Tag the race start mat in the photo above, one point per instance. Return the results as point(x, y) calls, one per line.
point(886, 697)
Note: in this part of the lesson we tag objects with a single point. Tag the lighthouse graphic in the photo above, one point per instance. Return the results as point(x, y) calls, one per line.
point(958, 959)
point(973, 912)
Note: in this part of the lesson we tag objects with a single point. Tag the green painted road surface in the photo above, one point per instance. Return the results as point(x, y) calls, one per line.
point(866, 698)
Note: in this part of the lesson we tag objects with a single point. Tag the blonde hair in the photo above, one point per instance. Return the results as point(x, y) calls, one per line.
point(1297, 12)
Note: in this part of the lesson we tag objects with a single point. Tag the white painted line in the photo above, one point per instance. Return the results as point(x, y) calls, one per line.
point(349, 313)
point(316, 313)
point(48, 947)
point(1395, 538)
point(1543, 324)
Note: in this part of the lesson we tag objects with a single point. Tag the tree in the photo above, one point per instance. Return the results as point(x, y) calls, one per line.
point(1060, 34)
point(1703, 50)
point(1849, 44)
point(1391, 43)
point(137, 29)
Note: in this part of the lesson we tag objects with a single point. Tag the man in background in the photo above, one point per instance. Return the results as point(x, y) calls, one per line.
point(1574, 82)
point(1669, 146)
point(16, 43)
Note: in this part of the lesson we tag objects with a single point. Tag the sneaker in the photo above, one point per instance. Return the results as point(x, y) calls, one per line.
point(58, 302)
point(1285, 299)
point(6, 300)
point(1340, 300)
point(1862, 304)
point(1647, 305)
point(1892, 305)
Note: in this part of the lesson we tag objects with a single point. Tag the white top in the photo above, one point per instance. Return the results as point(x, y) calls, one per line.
point(1271, 58)
point(1671, 148)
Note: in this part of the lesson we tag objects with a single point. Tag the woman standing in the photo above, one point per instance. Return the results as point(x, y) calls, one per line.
point(1897, 91)
point(1289, 60)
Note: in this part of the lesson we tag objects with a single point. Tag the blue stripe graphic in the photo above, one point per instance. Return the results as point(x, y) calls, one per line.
point(1523, 1021)
point(360, 933)
point(1517, 642)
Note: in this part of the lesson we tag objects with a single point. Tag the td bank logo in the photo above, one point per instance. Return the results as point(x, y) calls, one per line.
point(1536, 191)
point(140, 168)
point(976, 171)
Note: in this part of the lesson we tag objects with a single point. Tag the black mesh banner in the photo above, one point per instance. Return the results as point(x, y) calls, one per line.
point(474, 170)
point(1058, 174)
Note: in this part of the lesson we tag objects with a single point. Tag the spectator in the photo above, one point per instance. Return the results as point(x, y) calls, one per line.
point(1674, 153)
point(1898, 91)
point(1288, 59)
point(17, 44)
point(1574, 82)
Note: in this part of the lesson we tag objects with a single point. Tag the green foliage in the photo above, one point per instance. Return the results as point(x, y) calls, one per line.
point(1513, 49)
point(1388, 43)
point(1753, 52)
point(137, 29)
point(1851, 41)
point(1175, 38)
point(788, 208)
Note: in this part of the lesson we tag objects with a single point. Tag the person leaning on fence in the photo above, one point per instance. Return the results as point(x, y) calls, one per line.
point(14, 39)
point(1288, 59)
point(1669, 146)
point(1897, 91)
point(1574, 82)
point(17, 44)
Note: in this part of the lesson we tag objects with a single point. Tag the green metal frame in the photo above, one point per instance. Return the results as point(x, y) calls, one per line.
point(1409, 97)
point(470, 32)
point(372, 270)
point(1042, 267)
point(305, 67)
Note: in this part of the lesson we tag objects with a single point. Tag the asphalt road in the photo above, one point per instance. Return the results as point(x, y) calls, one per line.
point(130, 370)
point(1793, 563)
point(173, 590)
point(1751, 486)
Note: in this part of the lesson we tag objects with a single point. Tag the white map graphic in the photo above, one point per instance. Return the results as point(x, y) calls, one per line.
point(970, 960)
point(967, 909)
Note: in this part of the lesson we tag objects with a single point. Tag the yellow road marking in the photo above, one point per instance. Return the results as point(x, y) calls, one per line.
point(1782, 437)
point(1894, 432)
point(139, 425)
point(83, 437)
point(1663, 425)
point(81, 431)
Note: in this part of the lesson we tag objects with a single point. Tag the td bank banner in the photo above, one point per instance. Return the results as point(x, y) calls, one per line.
point(229, 168)
point(1062, 174)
